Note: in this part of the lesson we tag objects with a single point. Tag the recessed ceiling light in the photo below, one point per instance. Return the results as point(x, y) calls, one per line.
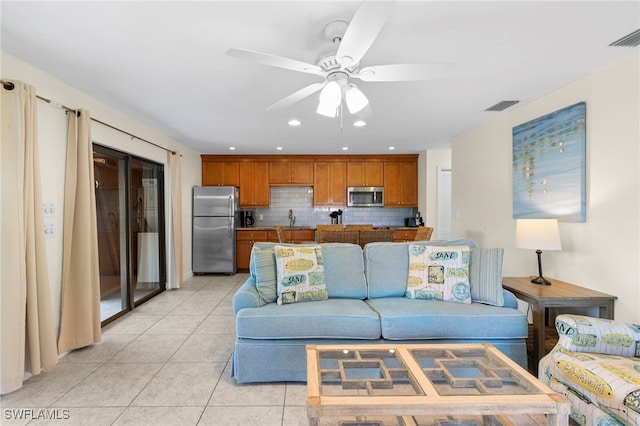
point(391, 148)
point(279, 148)
point(232, 148)
point(359, 123)
point(345, 148)
point(294, 122)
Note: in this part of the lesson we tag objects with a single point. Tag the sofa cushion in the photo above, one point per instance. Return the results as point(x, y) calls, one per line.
point(439, 273)
point(381, 261)
point(343, 270)
point(332, 318)
point(485, 276)
point(582, 411)
point(403, 318)
point(300, 272)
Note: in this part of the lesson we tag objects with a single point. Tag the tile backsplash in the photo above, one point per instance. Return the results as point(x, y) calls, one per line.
point(300, 200)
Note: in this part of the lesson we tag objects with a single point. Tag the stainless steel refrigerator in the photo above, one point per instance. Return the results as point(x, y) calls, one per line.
point(215, 214)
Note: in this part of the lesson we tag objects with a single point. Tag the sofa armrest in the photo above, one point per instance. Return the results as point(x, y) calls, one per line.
point(510, 300)
point(578, 333)
point(246, 296)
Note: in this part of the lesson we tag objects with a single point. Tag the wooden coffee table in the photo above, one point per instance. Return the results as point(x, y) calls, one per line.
point(405, 384)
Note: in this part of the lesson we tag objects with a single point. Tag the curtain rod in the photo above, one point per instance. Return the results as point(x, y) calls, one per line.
point(10, 86)
point(133, 136)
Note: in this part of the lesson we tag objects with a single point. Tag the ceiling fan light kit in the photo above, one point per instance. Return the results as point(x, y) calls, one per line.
point(337, 66)
point(355, 99)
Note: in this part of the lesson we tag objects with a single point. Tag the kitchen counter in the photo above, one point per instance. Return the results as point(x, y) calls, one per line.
point(246, 237)
point(273, 228)
point(313, 228)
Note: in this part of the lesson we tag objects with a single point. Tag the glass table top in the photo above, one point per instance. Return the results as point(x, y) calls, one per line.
point(403, 371)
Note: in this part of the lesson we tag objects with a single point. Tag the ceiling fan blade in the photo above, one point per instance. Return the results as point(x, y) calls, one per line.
point(362, 31)
point(276, 61)
point(404, 72)
point(297, 96)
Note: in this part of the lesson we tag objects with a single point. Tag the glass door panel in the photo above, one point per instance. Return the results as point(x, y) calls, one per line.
point(145, 230)
point(111, 213)
point(130, 220)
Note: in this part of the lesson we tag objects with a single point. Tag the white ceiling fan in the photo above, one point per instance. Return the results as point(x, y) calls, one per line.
point(353, 40)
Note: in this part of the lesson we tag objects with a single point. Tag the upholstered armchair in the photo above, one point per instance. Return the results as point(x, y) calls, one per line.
point(596, 365)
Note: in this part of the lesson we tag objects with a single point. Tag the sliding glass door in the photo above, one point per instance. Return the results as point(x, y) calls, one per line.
point(129, 207)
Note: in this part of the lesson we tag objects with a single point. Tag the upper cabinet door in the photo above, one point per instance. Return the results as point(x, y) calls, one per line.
point(220, 173)
point(254, 184)
point(330, 183)
point(400, 184)
point(364, 173)
point(290, 172)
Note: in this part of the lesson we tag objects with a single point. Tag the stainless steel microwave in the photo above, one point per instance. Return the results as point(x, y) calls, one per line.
point(365, 196)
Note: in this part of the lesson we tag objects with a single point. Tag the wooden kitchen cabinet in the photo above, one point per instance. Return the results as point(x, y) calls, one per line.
point(402, 235)
point(245, 239)
point(291, 172)
point(400, 184)
point(365, 173)
point(299, 236)
point(254, 184)
point(330, 183)
point(220, 173)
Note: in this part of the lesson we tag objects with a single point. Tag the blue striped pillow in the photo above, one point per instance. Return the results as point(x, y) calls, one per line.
point(264, 262)
point(485, 276)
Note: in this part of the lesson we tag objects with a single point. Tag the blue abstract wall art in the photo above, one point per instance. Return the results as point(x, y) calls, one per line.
point(549, 170)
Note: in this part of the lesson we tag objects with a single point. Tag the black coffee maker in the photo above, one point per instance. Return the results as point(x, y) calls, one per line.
point(414, 221)
point(247, 219)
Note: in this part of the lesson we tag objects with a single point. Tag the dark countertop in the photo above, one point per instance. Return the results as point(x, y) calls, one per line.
point(313, 228)
point(273, 228)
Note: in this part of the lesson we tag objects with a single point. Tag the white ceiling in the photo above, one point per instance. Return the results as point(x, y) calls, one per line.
point(164, 63)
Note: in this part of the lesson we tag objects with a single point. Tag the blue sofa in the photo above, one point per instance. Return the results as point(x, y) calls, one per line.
point(366, 304)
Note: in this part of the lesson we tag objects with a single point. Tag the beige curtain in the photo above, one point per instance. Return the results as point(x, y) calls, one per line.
point(174, 269)
point(28, 336)
point(80, 301)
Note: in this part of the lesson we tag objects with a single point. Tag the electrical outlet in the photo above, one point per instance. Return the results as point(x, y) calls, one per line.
point(49, 209)
point(261, 217)
point(49, 230)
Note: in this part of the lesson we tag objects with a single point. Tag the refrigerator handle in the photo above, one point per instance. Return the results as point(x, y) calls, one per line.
point(230, 216)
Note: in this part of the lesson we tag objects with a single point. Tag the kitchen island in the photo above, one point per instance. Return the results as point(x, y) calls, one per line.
point(247, 237)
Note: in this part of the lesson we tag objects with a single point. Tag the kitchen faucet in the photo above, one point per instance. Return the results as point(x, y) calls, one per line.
point(292, 218)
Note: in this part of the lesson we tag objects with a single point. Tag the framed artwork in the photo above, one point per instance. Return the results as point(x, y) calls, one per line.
point(549, 170)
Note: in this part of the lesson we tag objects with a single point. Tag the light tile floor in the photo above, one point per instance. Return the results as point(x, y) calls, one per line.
point(165, 363)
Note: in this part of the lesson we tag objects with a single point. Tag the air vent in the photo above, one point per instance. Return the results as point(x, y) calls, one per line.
point(501, 106)
point(630, 40)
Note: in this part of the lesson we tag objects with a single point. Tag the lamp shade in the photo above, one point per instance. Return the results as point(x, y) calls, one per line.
point(539, 234)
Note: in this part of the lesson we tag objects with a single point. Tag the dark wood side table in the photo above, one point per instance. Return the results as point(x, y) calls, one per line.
point(557, 295)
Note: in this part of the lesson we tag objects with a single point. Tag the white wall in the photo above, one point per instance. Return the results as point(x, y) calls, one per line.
point(52, 129)
point(602, 254)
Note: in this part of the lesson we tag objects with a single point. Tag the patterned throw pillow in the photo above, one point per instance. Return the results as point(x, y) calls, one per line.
point(300, 273)
point(439, 272)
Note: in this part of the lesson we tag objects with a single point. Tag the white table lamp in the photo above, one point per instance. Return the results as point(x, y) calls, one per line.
point(538, 234)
